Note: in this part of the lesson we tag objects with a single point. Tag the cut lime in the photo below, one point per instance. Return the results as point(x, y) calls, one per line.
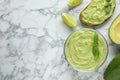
point(69, 20)
point(73, 3)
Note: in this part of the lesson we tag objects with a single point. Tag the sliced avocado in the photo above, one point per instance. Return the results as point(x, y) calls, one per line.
point(113, 70)
point(114, 31)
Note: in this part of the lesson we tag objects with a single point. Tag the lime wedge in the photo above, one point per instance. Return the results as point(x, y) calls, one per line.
point(69, 20)
point(73, 3)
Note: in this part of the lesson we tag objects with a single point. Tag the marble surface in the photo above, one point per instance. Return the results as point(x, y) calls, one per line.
point(32, 37)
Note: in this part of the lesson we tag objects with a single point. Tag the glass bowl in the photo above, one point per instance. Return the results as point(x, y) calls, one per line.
point(78, 50)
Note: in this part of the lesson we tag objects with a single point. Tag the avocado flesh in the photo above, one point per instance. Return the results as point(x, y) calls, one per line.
point(115, 31)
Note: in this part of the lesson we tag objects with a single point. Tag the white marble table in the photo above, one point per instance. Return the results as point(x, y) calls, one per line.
point(32, 37)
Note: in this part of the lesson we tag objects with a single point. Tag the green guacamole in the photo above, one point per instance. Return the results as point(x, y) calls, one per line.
point(78, 50)
point(95, 13)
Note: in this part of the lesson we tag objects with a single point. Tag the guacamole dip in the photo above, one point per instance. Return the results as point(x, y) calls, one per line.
point(78, 50)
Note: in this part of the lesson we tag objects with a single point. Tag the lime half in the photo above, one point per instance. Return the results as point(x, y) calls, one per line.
point(73, 3)
point(69, 20)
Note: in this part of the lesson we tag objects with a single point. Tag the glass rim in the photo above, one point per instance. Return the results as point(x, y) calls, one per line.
point(80, 70)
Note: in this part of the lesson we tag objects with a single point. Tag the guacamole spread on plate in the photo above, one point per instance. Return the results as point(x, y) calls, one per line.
point(78, 50)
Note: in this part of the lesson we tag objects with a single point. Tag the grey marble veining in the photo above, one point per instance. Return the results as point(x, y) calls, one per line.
point(32, 37)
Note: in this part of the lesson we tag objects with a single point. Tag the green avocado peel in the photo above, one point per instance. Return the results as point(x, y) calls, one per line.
point(113, 70)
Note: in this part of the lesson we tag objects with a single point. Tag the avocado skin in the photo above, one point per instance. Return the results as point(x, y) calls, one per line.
point(110, 29)
point(113, 70)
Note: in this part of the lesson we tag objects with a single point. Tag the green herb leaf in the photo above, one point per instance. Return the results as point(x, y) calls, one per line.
point(95, 52)
point(96, 38)
point(95, 49)
point(107, 7)
point(108, 0)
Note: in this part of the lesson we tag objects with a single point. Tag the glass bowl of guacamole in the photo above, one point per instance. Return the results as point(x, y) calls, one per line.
point(80, 49)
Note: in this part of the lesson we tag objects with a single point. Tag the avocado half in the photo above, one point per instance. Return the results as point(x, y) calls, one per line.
point(114, 31)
